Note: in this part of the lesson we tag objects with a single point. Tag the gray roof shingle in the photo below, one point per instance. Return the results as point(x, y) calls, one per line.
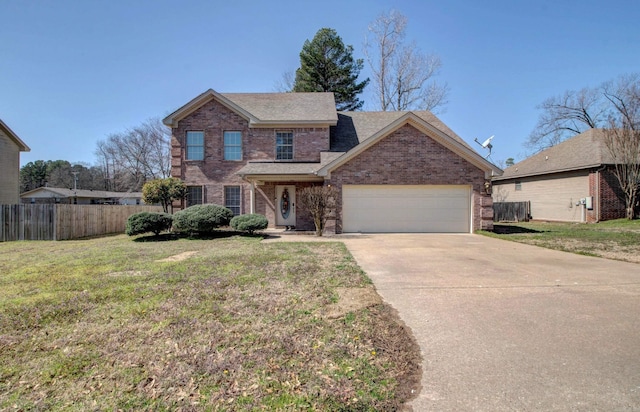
point(268, 108)
point(583, 151)
point(287, 107)
point(95, 194)
point(354, 128)
point(279, 168)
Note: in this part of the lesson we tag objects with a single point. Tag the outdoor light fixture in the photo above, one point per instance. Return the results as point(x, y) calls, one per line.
point(487, 187)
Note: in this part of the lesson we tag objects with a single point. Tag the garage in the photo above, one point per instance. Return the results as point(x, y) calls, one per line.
point(406, 208)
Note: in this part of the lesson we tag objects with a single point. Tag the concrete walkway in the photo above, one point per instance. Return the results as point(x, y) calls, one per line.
point(510, 327)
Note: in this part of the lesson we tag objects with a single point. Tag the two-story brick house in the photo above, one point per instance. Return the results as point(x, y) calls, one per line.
point(394, 171)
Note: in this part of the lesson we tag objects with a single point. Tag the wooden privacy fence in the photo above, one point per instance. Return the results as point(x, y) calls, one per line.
point(511, 211)
point(64, 222)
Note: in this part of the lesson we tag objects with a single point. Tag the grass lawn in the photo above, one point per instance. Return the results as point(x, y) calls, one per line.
point(228, 323)
point(614, 239)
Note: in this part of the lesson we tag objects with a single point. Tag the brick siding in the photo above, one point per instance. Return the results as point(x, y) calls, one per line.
point(214, 173)
point(405, 157)
point(612, 199)
point(409, 157)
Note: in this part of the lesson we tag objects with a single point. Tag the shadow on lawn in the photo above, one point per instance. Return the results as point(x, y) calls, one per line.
point(512, 230)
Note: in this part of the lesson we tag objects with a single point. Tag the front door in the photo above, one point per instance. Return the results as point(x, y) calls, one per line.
point(285, 205)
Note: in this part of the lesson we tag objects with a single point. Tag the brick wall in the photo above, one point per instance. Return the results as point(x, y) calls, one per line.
point(612, 200)
point(409, 157)
point(214, 173)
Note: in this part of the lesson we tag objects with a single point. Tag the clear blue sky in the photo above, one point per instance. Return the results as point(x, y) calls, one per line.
point(73, 72)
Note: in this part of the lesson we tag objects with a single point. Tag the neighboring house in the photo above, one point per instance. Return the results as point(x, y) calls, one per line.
point(572, 181)
point(10, 148)
point(394, 171)
point(43, 195)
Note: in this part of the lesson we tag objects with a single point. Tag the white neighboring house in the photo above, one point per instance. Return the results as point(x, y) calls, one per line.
point(10, 148)
point(43, 195)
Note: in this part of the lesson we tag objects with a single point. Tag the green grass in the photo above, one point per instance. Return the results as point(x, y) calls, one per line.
point(240, 325)
point(614, 239)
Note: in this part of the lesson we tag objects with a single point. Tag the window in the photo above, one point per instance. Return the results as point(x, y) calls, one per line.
point(194, 195)
point(518, 185)
point(195, 145)
point(232, 199)
point(284, 145)
point(232, 146)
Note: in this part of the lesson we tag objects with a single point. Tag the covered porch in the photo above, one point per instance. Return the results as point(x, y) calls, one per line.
point(274, 189)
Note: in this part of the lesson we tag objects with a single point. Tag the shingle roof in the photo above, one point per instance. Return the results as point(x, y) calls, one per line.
point(278, 168)
point(357, 131)
point(354, 128)
point(287, 107)
point(96, 194)
point(268, 108)
point(583, 151)
point(288, 168)
point(22, 146)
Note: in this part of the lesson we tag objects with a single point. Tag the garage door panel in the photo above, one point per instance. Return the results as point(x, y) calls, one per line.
point(385, 208)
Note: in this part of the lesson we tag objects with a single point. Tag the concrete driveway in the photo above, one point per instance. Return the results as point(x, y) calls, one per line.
point(510, 327)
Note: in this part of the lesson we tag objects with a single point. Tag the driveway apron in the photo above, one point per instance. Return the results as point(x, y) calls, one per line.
point(509, 327)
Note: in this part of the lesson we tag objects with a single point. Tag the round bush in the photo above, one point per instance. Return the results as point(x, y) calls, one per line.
point(201, 218)
point(249, 223)
point(144, 222)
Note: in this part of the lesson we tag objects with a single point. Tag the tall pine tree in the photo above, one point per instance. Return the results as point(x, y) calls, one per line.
point(327, 65)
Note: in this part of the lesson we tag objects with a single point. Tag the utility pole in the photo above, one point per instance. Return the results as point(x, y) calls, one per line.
point(75, 187)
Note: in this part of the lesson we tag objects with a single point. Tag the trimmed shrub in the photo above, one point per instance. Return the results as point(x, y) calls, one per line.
point(201, 218)
point(249, 223)
point(145, 222)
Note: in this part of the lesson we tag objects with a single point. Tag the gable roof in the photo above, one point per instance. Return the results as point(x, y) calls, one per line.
point(354, 128)
point(95, 194)
point(583, 151)
point(357, 131)
point(267, 109)
point(22, 146)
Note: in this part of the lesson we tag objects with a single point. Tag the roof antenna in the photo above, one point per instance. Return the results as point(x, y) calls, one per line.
point(486, 145)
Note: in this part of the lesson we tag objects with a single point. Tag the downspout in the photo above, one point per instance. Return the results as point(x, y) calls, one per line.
point(598, 201)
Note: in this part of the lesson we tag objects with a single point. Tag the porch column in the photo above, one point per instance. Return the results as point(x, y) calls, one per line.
point(252, 197)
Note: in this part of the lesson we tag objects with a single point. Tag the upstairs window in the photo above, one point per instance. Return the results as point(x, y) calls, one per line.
point(284, 145)
point(194, 195)
point(195, 145)
point(232, 146)
point(518, 185)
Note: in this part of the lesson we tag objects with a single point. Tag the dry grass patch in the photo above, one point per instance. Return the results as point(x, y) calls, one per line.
point(353, 299)
point(615, 239)
point(178, 257)
point(240, 325)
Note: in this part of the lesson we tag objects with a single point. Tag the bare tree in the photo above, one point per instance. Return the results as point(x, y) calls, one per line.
point(402, 75)
point(320, 202)
point(135, 156)
point(286, 83)
point(613, 106)
point(574, 112)
point(622, 136)
point(623, 95)
point(623, 143)
point(567, 115)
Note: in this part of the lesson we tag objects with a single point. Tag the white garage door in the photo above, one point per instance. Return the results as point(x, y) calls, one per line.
point(385, 208)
